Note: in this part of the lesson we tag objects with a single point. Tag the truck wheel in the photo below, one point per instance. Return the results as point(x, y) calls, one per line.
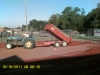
point(64, 44)
point(56, 44)
point(28, 44)
point(9, 45)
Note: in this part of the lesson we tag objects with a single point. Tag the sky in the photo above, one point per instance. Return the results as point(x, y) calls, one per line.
point(13, 13)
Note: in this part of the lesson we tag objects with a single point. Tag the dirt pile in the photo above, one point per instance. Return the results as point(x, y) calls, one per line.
point(75, 43)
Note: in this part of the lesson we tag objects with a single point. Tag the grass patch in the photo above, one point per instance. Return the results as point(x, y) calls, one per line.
point(91, 38)
point(3, 39)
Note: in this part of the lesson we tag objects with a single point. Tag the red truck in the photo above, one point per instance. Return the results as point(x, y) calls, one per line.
point(62, 38)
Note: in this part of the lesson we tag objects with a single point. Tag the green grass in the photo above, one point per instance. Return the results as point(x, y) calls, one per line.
point(3, 39)
point(91, 38)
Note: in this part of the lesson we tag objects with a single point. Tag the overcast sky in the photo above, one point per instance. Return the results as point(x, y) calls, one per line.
point(12, 12)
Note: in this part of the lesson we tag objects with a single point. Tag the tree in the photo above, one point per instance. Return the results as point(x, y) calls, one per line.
point(98, 5)
point(92, 19)
point(54, 19)
point(6, 28)
point(72, 18)
point(35, 24)
point(23, 27)
point(95, 23)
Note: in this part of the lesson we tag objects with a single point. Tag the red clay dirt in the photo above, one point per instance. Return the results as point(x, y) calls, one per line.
point(74, 43)
point(76, 48)
point(92, 51)
point(2, 44)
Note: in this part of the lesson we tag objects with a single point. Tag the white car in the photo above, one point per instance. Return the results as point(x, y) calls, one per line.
point(82, 34)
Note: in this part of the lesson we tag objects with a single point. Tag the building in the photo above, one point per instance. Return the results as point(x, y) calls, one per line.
point(1, 30)
point(93, 32)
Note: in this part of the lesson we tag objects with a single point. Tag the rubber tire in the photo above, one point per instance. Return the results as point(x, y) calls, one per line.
point(29, 40)
point(55, 44)
point(11, 45)
point(63, 45)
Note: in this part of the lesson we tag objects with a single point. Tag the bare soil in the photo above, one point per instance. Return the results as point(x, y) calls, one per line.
point(79, 58)
point(76, 48)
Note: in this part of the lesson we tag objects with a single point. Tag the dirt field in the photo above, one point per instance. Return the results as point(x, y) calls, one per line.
point(79, 58)
point(76, 48)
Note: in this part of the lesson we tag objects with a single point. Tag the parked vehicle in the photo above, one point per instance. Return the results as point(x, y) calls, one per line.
point(81, 35)
point(29, 43)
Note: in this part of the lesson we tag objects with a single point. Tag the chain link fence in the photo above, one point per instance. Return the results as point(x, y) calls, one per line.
point(36, 33)
point(87, 34)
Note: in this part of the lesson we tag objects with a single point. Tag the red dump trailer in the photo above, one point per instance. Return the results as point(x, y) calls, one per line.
point(62, 38)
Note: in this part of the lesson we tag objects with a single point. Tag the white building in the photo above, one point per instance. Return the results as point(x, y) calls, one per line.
point(93, 32)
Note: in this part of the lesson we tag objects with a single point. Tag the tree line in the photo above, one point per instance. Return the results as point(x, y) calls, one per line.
point(70, 18)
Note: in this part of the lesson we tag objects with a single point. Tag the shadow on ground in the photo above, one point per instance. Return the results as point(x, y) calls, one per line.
point(85, 65)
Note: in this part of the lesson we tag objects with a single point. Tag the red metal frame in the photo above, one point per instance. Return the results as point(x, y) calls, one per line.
point(55, 32)
point(46, 43)
point(58, 33)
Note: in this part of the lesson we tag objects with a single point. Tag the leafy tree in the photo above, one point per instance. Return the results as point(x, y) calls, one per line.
point(23, 27)
point(35, 24)
point(54, 19)
point(92, 19)
point(6, 28)
point(72, 18)
point(98, 5)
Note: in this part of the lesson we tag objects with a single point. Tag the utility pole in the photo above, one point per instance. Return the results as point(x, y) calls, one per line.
point(26, 15)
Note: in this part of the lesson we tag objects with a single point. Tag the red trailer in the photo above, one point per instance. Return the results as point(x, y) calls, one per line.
point(29, 42)
point(62, 38)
